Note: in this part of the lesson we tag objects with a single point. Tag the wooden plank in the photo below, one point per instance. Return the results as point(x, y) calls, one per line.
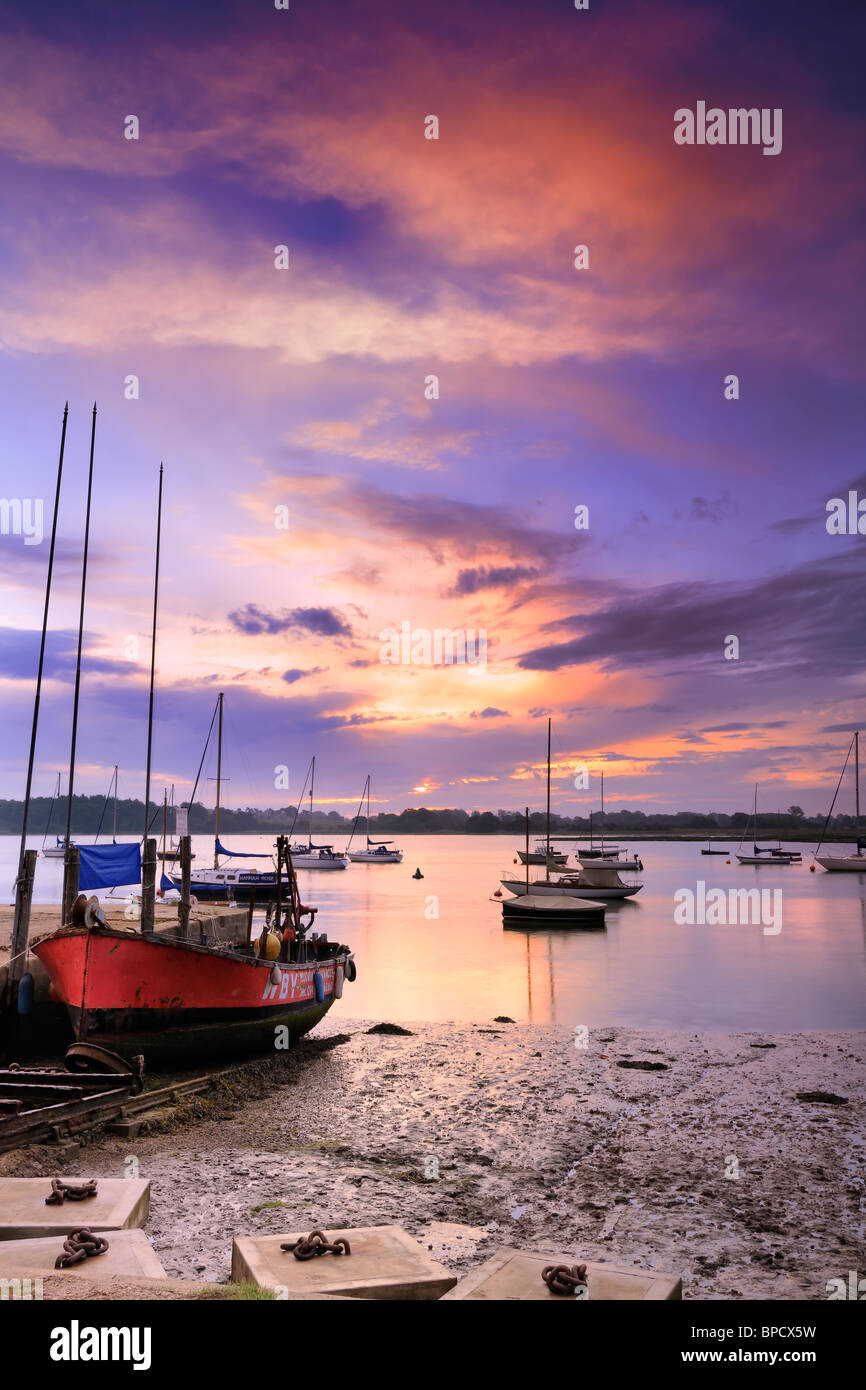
point(119, 1202)
point(385, 1262)
point(515, 1275)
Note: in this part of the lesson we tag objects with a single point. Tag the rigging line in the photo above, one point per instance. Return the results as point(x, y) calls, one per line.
point(298, 807)
point(833, 802)
point(203, 756)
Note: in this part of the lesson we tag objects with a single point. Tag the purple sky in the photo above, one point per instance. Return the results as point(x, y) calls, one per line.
point(304, 390)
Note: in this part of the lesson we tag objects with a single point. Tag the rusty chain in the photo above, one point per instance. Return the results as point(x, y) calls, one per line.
point(316, 1243)
point(78, 1246)
point(564, 1279)
point(70, 1191)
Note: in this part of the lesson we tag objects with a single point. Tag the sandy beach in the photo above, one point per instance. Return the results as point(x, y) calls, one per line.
point(696, 1154)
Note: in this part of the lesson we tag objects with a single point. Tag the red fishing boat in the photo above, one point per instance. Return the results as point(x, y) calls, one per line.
point(172, 999)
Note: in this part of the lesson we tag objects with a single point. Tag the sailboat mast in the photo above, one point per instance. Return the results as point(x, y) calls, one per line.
point(857, 776)
point(312, 782)
point(80, 637)
point(602, 812)
point(216, 858)
point(35, 723)
point(164, 819)
point(368, 810)
point(547, 850)
point(114, 823)
point(152, 661)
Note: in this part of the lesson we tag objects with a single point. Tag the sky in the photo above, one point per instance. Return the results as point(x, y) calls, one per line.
point(318, 494)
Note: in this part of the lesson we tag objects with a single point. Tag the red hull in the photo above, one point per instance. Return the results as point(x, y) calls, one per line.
point(169, 999)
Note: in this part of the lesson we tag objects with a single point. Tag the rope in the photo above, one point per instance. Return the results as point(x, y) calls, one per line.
point(70, 1191)
point(78, 1245)
point(561, 1279)
point(316, 1243)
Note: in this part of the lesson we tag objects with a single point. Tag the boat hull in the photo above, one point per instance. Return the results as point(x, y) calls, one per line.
point(239, 886)
point(842, 863)
point(533, 911)
point(177, 1001)
point(363, 857)
point(552, 889)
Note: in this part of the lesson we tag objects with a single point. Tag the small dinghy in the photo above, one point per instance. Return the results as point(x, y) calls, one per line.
point(551, 910)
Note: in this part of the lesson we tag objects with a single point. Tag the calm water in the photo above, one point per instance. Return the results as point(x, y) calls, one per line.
point(643, 970)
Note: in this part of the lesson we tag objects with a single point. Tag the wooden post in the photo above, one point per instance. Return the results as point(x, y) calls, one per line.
point(71, 875)
point(20, 926)
point(185, 876)
point(148, 887)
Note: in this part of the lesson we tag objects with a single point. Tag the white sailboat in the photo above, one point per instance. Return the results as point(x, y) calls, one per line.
point(310, 856)
point(846, 863)
point(58, 849)
point(377, 851)
point(598, 882)
point(221, 880)
point(760, 855)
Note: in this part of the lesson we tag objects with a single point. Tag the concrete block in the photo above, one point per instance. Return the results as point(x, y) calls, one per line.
point(385, 1263)
point(129, 1255)
point(513, 1275)
point(119, 1202)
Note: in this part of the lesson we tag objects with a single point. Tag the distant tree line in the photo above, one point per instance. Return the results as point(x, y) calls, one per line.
point(88, 811)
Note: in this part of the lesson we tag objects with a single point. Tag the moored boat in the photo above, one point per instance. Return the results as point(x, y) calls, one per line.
point(593, 881)
point(173, 999)
point(377, 851)
point(846, 863)
point(551, 910)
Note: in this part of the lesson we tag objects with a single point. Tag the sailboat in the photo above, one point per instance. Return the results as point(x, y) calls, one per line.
point(761, 855)
point(223, 881)
point(377, 851)
point(170, 854)
point(175, 999)
point(846, 863)
point(58, 849)
point(544, 902)
point(310, 856)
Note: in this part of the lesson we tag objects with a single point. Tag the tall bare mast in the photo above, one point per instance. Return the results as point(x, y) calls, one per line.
point(152, 661)
point(547, 848)
point(216, 858)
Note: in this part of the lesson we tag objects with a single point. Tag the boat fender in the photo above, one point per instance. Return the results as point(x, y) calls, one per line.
point(25, 993)
point(351, 971)
point(319, 986)
point(339, 975)
point(276, 976)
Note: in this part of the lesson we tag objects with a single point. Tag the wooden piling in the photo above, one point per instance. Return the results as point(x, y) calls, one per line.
point(185, 876)
point(71, 876)
point(148, 886)
point(20, 930)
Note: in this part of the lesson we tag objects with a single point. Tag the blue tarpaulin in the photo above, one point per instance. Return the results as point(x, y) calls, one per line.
point(109, 866)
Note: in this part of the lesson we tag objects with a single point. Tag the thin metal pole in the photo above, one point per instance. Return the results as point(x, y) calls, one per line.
point(68, 836)
point(35, 723)
point(216, 858)
point(152, 658)
point(857, 776)
point(547, 849)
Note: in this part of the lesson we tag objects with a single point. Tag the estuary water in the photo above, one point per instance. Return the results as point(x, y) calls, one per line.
point(434, 948)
